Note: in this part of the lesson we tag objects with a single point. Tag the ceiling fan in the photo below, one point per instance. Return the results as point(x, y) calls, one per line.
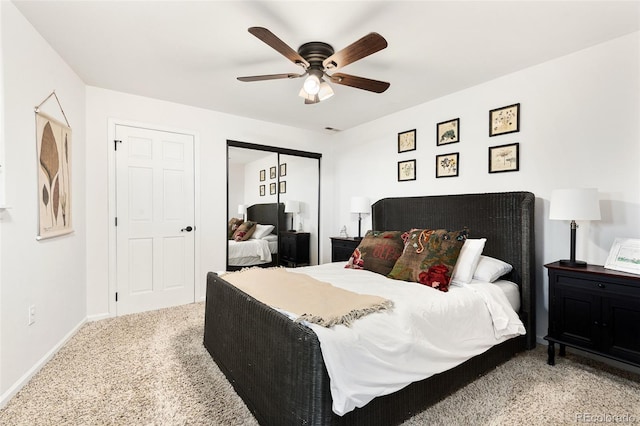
point(316, 58)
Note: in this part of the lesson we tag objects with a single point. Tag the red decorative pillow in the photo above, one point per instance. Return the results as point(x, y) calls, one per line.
point(377, 252)
point(244, 231)
point(427, 253)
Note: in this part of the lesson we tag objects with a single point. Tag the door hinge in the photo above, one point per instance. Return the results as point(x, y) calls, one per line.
point(116, 221)
point(116, 296)
point(115, 144)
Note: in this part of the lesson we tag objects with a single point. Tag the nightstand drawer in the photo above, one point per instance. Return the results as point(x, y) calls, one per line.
point(584, 282)
point(342, 248)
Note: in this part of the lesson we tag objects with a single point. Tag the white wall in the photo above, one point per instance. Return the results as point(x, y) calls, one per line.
point(579, 128)
point(213, 130)
point(49, 274)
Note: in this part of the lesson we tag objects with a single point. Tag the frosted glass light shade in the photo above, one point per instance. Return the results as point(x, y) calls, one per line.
point(574, 204)
point(312, 84)
point(325, 91)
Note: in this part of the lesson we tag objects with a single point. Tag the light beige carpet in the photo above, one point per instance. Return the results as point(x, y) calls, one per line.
point(152, 369)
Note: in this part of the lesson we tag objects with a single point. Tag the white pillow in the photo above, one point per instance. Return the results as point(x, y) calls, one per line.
point(490, 269)
point(262, 231)
point(468, 260)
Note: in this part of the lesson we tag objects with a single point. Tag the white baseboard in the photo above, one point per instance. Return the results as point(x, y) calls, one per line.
point(98, 317)
point(15, 388)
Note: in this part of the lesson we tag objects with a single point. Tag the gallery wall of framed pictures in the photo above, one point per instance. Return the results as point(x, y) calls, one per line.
point(503, 157)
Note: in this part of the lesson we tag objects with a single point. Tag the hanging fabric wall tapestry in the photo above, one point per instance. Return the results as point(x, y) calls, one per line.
point(54, 176)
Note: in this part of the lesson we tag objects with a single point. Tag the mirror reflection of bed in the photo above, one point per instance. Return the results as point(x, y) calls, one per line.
point(261, 247)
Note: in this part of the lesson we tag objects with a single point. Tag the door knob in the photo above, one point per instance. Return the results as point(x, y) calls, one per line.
point(188, 229)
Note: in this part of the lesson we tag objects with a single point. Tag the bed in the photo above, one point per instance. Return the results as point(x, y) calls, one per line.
point(276, 365)
point(263, 251)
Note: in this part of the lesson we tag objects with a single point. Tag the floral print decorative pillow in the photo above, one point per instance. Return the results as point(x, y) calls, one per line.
point(429, 257)
point(244, 231)
point(377, 252)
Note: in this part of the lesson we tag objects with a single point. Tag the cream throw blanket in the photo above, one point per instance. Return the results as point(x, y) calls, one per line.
point(312, 300)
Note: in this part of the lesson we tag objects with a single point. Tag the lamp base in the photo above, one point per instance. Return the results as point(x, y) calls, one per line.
point(573, 263)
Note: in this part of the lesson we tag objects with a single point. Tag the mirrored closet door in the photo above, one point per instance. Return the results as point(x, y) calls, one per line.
point(273, 205)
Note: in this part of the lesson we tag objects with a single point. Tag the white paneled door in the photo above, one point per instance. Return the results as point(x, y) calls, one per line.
point(154, 219)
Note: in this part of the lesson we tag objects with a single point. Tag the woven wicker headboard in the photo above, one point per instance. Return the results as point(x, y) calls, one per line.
point(505, 219)
point(268, 214)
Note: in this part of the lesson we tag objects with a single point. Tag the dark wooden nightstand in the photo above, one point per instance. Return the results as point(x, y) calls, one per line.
point(596, 310)
point(294, 248)
point(343, 247)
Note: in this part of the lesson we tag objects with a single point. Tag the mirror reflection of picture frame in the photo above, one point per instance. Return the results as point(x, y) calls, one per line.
point(272, 172)
point(272, 188)
point(263, 175)
point(504, 158)
point(406, 170)
point(624, 255)
point(262, 190)
point(283, 169)
point(283, 187)
point(448, 165)
point(504, 120)
point(407, 141)
point(448, 132)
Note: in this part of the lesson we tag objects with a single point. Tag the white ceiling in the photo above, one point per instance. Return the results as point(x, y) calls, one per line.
point(192, 52)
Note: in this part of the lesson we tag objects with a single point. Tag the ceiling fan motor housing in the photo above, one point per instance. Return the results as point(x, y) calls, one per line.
point(315, 52)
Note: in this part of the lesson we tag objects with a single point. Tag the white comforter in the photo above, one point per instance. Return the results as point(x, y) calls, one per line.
point(250, 248)
point(427, 332)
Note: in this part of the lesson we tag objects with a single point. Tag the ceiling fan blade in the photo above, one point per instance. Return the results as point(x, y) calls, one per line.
point(269, 77)
point(269, 38)
point(376, 86)
point(367, 45)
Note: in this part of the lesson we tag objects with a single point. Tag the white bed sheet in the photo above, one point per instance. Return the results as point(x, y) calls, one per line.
point(426, 332)
point(252, 251)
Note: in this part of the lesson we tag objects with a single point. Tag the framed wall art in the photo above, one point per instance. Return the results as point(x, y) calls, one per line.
point(624, 256)
point(272, 188)
point(283, 169)
point(448, 132)
point(406, 170)
point(504, 120)
point(283, 187)
point(504, 158)
point(262, 190)
point(263, 175)
point(447, 165)
point(272, 172)
point(53, 145)
point(407, 141)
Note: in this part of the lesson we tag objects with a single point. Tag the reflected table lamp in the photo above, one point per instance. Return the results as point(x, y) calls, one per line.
point(293, 207)
point(242, 210)
point(574, 204)
point(360, 205)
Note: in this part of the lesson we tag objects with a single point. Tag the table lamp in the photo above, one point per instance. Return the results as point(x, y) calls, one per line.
point(574, 204)
point(242, 210)
point(293, 207)
point(360, 205)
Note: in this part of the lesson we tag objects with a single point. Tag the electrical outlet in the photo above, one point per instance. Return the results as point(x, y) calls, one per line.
point(32, 314)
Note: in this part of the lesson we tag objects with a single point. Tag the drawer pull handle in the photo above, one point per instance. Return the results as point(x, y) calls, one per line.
point(600, 285)
point(595, 323)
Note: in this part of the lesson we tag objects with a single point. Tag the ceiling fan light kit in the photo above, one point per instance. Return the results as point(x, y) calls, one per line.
point(316, 57)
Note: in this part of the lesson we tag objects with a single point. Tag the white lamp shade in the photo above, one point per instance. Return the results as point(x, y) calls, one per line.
point(291, 206)
point(360, 205)
point(242, 209)
point(574, 204)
